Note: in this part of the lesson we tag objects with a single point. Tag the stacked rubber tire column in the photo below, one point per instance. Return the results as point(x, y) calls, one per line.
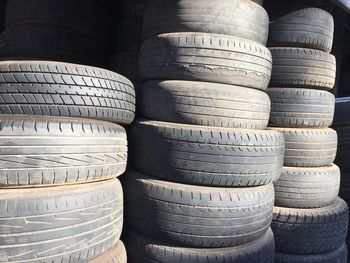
point(310, 221)
point(200, 189)
point(60, 200)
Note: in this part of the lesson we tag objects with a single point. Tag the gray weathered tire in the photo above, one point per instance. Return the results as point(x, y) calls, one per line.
point(307, 187)
point(300, 67)
point(114, 255)
point(309, 147)
point(206, 57)
point(307, 28)
point(206, 155)
point(63, 89)
point(196, 216)
point(239, 18)
point(60, 224)
point(146, 250)
point(310, 231)
point(301, 108)
point(205, 103)
point(42, 151)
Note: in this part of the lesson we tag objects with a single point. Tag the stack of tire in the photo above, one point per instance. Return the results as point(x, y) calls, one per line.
point(60, 200)
point(310, 221)
point(200, 189)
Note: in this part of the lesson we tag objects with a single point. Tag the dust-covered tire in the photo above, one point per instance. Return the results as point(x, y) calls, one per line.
point(114, 255)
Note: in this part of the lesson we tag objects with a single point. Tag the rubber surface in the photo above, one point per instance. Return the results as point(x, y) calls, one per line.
point(206, 155)
point(205, 103)
point(196, 216)
point(60, 224)
point(143, 249)
point(115, 255)
point(343, 152)
point(341, 115)
point(345, 186)
point(301, 108)
point(206, 57)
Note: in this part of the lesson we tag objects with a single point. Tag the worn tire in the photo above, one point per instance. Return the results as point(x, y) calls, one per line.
point(205, 103)
point(115, 255)
point(206, 155)
point(62, 89)
point(146, 250)
point(239, 18)
point(310, 231)
point(343, 152)
point(206, 57)
point(60, 224)
point(309, 147)
point(341, 115)
point(307, 187)
point(300, 67)
point(301, 108)
point(307, 28)
point(196, 216)
point(38, 151)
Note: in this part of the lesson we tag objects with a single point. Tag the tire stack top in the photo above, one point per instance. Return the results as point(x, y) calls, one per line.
point(201, 187)
point(310, 220)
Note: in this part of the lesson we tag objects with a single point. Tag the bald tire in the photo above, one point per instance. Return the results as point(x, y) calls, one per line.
point(115, 255)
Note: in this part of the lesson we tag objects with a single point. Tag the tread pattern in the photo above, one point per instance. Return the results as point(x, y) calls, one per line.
point(115, 255)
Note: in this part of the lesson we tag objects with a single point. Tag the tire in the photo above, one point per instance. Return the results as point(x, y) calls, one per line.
point(310, 231)
point(145, 250)
point(196, 216)
point(206, 155)
point(345, 186)
point(238, 18)
point(58, 224)
point(115, 255)
point(46, 151)
point(301, 108)
point(304, 68)
point(338, 256)
point(206, 57)
point(309, 147)
point(307, 28)
point(205, 103)
point(341, 115)
point(128, 36)
point(343, 152)
point(62, 89)
point(307, 187)
point(259, 2)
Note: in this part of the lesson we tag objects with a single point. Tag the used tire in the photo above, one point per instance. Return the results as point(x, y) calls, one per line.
point(38, 151)
point(300, 67)
point(307, 28)
point(310, 231)
point(60, 224)
point(205, 103)
point(301, 108)
point(309, 147)
point(115, 255)
point(196, 216)
point(239, 18)
point(145, 250)
point(345, 186)
point(307, 187)
point(343, 152)
point(341, 115)
point(206, 57)
point(62, 89)
point(206, 155)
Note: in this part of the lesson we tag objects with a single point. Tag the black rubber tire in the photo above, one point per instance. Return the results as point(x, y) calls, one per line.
point(341, 115)
point(128, 36)
point(196, 216)
point(309, 147)
point(301, 108)
point(343, 152)
point(206, 57)
point(307, 28)
point(307, 187)
point(239, 18)
point(62, 89)
point(115, 255)
point(259, 2)
point(345, 186)
point(60, 224)
point(43, 151)
point(146, 250)
point(206, 155)
point(338, 256)
point(300, 67)
point(310, 231)
point(205, 103)
point(131, 8)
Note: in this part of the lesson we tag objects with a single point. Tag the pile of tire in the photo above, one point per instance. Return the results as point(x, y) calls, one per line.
point(61, 149)
point(201, 186)
point(310, 221)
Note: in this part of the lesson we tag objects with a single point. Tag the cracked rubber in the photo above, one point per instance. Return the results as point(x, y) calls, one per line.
point(206, 155)
point(115, 255)
point(60, 224)
point(206, 57)
point(205, 103)
point(196, 216)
